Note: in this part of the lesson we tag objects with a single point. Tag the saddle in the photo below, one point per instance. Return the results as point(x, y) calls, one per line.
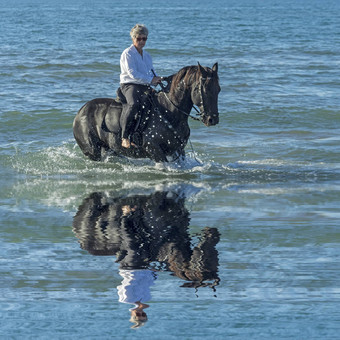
point(146, 99)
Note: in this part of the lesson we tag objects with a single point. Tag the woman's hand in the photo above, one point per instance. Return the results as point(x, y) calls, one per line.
point(156, 80)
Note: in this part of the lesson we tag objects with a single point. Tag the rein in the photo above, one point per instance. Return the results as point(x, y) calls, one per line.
point(180, 110)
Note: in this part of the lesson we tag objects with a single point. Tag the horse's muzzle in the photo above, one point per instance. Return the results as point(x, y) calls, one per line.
point(210, 120)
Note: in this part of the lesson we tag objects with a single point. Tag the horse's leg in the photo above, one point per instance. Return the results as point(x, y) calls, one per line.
point(88, 142)
point(181, 155)
point(156, 153)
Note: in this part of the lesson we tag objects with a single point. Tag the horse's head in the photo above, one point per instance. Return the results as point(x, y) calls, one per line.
point(205, 92)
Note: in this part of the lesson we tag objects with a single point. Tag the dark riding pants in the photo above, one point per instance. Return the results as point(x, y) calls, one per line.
point(132, 94)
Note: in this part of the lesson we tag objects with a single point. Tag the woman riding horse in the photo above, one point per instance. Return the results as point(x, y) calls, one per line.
point(135, 78)
point(164, 131)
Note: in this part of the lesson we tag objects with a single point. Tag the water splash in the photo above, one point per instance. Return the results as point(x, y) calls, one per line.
point(66, 162)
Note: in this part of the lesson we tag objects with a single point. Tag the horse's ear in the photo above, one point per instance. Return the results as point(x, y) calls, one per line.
point(201, 70)
point(215, 68)
point(199, 67)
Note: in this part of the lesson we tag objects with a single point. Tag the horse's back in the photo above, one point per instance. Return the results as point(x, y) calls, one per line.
point(97, 106)
point(95, 111)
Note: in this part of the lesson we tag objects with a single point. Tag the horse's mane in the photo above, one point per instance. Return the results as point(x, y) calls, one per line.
point(185, 74)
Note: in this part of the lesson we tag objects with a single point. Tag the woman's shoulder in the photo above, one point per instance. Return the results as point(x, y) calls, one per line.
point(129, 50)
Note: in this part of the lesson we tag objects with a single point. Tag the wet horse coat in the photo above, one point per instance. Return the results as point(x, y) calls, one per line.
point(164, 130)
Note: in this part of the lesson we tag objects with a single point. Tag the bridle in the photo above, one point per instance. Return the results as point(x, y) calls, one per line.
point(198, 112)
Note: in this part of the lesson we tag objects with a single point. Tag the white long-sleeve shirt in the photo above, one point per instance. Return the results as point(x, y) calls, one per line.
point(136, 285)
point(134, 68)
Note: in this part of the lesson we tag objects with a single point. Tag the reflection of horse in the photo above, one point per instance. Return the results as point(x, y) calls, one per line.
point(143, 230)
point(163, 131)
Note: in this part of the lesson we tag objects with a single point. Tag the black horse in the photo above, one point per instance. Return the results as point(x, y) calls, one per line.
point(163, 129)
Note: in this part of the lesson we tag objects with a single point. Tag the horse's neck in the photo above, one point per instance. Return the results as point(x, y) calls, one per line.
point(175, 113)
point(177, 102)
point(181, 96)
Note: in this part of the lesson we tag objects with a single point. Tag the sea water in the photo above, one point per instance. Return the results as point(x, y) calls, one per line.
point(267, 177)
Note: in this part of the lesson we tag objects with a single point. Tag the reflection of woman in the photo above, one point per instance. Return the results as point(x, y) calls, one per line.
point(135, 290)
point(135, 77)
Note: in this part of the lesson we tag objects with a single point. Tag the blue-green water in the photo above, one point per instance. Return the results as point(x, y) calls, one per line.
point(268, 182)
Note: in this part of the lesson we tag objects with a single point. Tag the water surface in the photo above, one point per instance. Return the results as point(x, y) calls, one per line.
point(262, 186)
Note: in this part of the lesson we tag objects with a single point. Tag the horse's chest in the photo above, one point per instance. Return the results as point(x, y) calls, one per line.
point(170, 137)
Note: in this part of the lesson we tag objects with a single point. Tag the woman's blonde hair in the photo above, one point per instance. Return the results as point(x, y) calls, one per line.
point(138, 29)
